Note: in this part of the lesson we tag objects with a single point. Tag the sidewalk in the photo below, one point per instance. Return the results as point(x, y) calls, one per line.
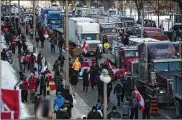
point(80, 108)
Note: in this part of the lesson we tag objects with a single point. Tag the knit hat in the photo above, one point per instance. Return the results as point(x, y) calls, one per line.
point(94, 108)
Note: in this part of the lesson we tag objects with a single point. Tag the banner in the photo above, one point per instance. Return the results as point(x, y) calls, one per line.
point(11, 104)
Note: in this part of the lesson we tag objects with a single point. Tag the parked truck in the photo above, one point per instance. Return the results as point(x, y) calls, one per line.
point(156, 65)
point(124, 58)
point(51, 18)
point(177, 93)
point(84, 29)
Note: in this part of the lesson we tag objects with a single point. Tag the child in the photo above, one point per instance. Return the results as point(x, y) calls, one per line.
point(126, 109)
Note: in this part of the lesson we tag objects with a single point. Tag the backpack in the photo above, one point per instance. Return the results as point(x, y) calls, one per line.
point(118, 88)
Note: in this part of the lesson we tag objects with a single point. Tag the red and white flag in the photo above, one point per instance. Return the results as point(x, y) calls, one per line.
point(139, 98)
point(85, 47)
point(10, 104)
point(117, 72)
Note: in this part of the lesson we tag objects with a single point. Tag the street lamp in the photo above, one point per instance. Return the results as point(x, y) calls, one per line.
point(45, 47)
point(106, 79)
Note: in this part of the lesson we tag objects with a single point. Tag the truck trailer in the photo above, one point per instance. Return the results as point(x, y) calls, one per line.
point(84, 29)
point(177, 93)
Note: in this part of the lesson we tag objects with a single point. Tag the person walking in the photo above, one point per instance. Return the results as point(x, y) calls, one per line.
point(32, 86)
point(57, 104)
point(133, 106)
point(19, 44)
point(56, 66)
point(118, 90)
point(69, 97)
point(39, 62)
point(114, 114)
point(58, 79)
point(24, 91)
point(53, 43)
point(94, 114)
point(32, 60)
point(37, 102)
point(93, 74)
point(146, 113)
point(99, 84)
point(42, 84)
point(85, 80)
point(60, 43)
point(74, 81)
point(76, 66)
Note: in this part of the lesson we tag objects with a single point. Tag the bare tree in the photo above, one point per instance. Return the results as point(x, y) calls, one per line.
point(139, 6)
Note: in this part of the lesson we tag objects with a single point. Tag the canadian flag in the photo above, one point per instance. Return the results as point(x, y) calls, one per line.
point(139, 98)
point(117, 72)
point(85, 47)
point(10, 102)
point(85, 65)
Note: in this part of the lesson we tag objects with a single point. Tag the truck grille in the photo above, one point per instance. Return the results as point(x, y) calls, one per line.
point(92, 45)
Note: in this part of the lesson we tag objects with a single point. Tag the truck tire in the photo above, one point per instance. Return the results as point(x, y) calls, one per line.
point(178, 109)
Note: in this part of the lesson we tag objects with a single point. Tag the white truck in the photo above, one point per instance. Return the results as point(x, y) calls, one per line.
point(84, 29)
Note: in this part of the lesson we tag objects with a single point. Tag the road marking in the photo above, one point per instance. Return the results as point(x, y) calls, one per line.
point(167, 116)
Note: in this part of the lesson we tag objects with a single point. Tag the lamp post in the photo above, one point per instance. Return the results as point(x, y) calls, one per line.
point(34, 30)
point(106, 79)
point(67, 48)
point(45, 48)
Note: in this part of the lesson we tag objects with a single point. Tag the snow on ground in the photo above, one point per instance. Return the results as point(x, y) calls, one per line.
point(9, 79)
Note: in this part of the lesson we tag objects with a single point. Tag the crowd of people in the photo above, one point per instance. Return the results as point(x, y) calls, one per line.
point(37, 86)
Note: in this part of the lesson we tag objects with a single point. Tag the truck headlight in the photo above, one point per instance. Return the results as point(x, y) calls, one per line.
point(162, 91)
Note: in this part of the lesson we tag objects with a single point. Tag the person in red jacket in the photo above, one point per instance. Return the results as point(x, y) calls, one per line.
point(24, 91)
point(32, 85)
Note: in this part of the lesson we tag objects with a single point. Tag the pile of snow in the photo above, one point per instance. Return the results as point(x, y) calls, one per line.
point(3, 43)
point(9, 79)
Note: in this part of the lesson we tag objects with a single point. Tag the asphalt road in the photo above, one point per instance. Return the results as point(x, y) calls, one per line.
point(90, 98)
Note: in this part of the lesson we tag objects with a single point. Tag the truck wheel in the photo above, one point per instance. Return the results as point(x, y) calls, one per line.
point(178, 109)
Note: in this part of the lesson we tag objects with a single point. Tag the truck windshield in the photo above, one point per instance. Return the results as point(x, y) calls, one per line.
point(109, 30)
point(174, 65)
point(130, 53)
point(90, 36)
point(160, 67)
point(129, 24)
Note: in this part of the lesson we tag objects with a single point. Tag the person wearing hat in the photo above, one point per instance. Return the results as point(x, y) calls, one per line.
point(114, 114)
point(58, 104)
point(94, 114)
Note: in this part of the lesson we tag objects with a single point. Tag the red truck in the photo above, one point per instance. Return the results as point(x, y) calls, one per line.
point(124, 58)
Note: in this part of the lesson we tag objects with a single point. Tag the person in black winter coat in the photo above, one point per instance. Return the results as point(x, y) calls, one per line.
point(94, 114)
point(146, 113)
point(114, 114)
point(93, 73)
point(74, 81)
point(37, 103)
point(68, 97)
point(39, 62)
point(85, 80)
point(58, 79)
point(19, 44)
point(42, 84)
point(99, 84)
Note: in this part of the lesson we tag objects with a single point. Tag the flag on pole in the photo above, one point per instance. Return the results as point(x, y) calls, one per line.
point(85, 47)
point(11, 104)
point(139, 98)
